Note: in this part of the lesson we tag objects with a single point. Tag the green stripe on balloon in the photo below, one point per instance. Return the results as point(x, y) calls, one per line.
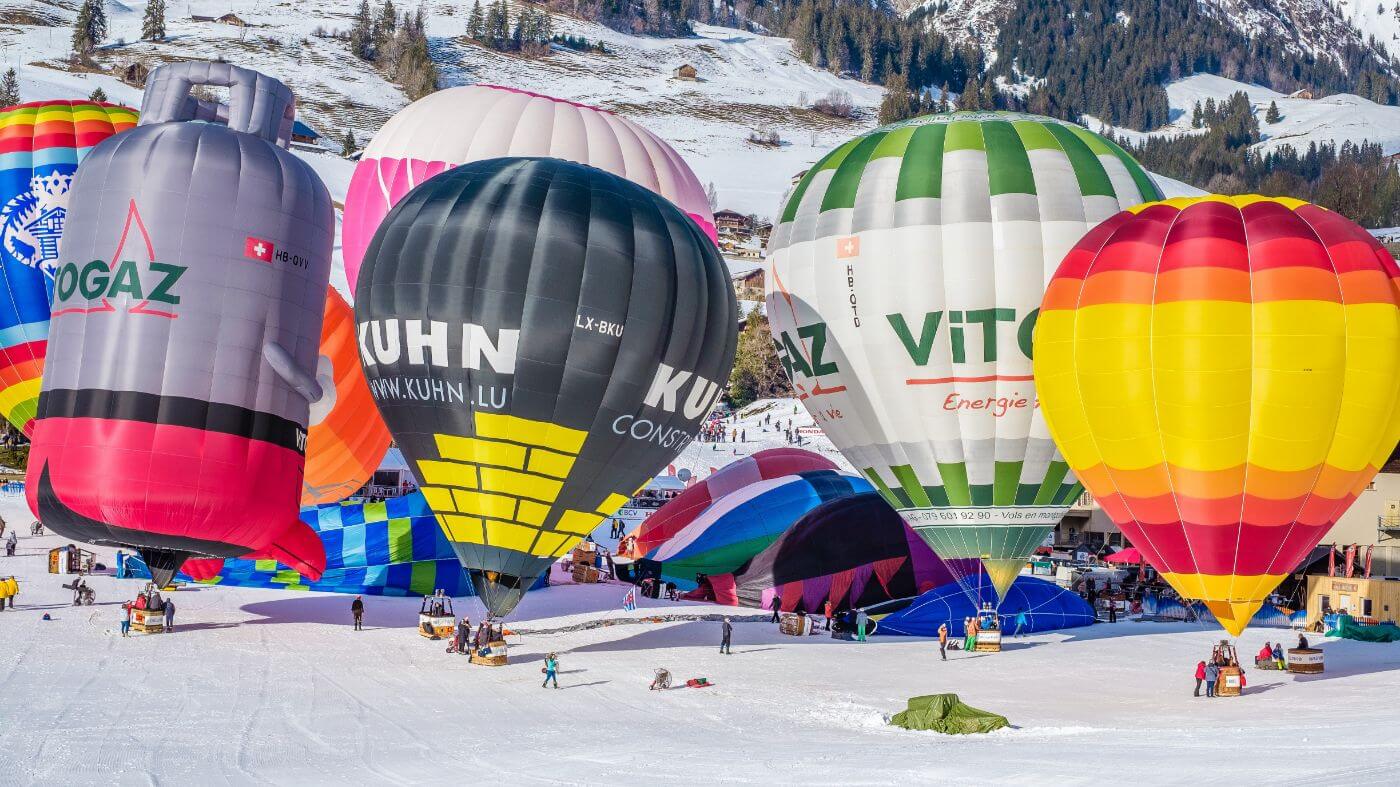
point(1054, 476)
point(841, 191)
point(964, 135)
point(1088, 170)
point(1035, 135)
point(423, 579)
point(894, 143)
point(1008, 166)
point(909, 482)
point(921, 172)
point(1005, 482)
point(954, 475)
point(400, 540)
point(825, 163)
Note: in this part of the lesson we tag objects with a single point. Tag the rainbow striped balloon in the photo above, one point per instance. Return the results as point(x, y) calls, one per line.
point(41, 144)
point(1223, 374)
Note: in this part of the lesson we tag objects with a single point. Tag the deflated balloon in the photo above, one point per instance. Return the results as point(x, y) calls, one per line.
point(186, 316)
point(347, 439)
point(41, 145)
point(905, 275)
point(541, 338)
point(1223, 374)
point(477, 122)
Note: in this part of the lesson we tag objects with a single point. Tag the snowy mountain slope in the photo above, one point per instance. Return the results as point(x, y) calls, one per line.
point(963, 21)
point(747, 82)
point(1315, 27)
point(1336, 119)
point(1375, 18)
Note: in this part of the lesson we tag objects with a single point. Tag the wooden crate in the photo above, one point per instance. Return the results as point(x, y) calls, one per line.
point(1305, 661)
point(148, 621)
point(585, 574)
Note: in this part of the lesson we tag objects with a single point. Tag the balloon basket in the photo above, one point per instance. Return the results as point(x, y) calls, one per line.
point(988, 641)
point(436, 627)
point(493, 656)
point(1230, 683)
point(148, 621)
point(1305, 661)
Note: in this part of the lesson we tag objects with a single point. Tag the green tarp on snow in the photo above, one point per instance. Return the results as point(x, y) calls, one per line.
point(946, 713)
point(1350, 629)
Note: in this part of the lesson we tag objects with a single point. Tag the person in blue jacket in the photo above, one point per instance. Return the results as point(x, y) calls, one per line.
point(1212, 675)
point(1020, 624)
point(551, 671)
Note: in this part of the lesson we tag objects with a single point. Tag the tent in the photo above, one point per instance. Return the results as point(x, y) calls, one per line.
point(853, 551)
point(947, 714)
point(743, 523)
point(1048, 607)
point(1129, 556)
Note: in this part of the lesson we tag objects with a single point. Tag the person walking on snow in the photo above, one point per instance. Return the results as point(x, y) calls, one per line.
point(726, 634)
point(776, 606)
point(943, 641)
point(357, 609)
point(1200, 678)
point(551, 671)
point(126, 619)
point(862, 620)
point(1020, 623)
point(169, 609)
point(1212, 675)
point(826, 612)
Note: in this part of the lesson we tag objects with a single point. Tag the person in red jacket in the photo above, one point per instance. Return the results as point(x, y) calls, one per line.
point(1265, 653)
point(826, 611)
point(1200, 676)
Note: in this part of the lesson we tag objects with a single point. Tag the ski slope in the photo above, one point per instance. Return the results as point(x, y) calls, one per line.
point(274, 687)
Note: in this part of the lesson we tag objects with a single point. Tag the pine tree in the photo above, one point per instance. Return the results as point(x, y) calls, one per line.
point(98, 95)
point(9, 89)
point(1196, 116)
point(385, 26)
point(1272, 116)
point(943, 104)
point(348, 144)
point(153, 23)
point(758, 372)
point(362, 33)
point(898, 103)
point(89, 28)
point(476, 22)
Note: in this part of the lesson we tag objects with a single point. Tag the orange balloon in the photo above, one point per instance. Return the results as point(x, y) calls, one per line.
point(347, 438)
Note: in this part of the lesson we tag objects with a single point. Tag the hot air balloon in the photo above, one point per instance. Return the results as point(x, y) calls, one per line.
point(41, 144)
point(476, 122)
point(1223, 374)
point(905, 274)
point(183, 340)
point(680, 511)
point(347, 439)
point(541, 338)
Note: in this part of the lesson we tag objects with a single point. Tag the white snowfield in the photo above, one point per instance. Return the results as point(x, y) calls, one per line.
point(273, 687)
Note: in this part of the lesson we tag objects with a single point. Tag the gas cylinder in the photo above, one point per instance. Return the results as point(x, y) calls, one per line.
point(184, 334)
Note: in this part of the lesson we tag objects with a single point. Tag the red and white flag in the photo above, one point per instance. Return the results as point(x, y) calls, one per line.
point(848, 247)
point(257, 249)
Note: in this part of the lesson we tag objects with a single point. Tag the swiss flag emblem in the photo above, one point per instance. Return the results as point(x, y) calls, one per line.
point(848, 247)
point(257, 249)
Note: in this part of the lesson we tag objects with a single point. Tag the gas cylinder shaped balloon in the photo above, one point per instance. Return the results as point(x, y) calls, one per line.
point(463, 124)
point(183, 340)
point(347, 439)
point(541, 337)
point(41, 145)
point(905, 275)
point(1223, 374)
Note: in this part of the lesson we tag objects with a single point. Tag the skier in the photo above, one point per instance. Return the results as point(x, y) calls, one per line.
point(727, 633)
point(1212, 675)
point(551, 671)
point(169, 609)
point(862, 620)
point(943, 641)
point(357, 609)
point(1200, 677)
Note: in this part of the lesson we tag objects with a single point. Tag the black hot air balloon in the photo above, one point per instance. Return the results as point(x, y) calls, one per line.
point(541, 337)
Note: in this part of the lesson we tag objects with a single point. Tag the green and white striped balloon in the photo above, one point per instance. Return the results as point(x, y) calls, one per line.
point(904, 280)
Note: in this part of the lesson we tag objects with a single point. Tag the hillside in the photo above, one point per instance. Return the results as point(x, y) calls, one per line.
point(747, 82)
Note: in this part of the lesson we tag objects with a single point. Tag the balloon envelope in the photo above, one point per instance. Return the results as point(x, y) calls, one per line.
point(1223, 374)
point(541, 338)
point(905, 274)
point(41, 145)
point(681, 510)
point(460, 125)
point(346, 439)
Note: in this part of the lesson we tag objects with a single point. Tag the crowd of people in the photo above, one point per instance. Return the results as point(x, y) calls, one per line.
point(149, 599)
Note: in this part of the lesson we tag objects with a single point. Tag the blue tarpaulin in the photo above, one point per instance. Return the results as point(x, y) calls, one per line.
point(1048, 607)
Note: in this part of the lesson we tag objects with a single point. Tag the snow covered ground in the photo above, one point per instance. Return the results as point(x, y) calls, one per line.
point(274, 687)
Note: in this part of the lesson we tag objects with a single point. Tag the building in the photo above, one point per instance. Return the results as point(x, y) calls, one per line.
point(229, 18)
point(732, 221)
point(304, 134)
point(685, 71)
point(1304, 93)
point(133, 74)
point(763, 231)
point(1368, 599)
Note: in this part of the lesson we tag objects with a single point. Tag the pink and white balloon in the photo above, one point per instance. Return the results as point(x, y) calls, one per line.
point(464, 124)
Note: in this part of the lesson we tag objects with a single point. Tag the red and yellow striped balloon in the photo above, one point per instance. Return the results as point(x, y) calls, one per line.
point(1222, 373)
